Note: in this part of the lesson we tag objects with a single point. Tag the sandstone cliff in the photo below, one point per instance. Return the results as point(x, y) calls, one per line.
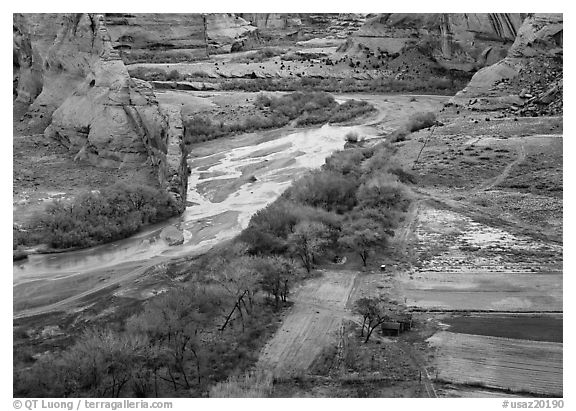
point(303, 26)
point(166, 37)
point(33, 34)
point(529, 80)
point(92, 105)
point(454, 41)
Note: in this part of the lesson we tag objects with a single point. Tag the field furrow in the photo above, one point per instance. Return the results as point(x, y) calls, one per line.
point(496, 362)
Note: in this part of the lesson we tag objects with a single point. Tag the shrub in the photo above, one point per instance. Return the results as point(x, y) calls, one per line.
point(350, 109)
point(328, 190)
point(96, 217)
point(173, 75)
point(306, 108)
point(420, 120)
point(351, 137)
point(269, 228)
point(257, 384)
point(383, 191)
point(259, 56)
point(199, 74)
point(346, 162)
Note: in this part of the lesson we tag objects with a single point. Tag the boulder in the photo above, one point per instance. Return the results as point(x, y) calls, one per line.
point(172, 235)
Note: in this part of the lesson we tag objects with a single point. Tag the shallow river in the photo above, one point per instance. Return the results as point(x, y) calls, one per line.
point(229, 182)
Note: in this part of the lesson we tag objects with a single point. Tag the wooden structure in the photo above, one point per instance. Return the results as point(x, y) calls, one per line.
point(399, 322)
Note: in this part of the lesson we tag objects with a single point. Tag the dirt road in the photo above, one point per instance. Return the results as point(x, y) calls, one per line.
point(311, 325)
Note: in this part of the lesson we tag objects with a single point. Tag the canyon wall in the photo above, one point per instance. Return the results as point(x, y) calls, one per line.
point(529, 80)
point(303, 26)
point(169, 37)
point(79, 86)
point(455, 41)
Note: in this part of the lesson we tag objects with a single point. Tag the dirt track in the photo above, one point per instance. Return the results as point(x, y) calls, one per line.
point(311, 325)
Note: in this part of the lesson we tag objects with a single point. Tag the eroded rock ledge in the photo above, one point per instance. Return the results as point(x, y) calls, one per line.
point(90, 102)
point(529, 80)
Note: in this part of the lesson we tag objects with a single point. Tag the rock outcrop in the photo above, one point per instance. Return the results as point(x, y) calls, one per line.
point(303, 26)
point(33, 34)
point(172, 235)
point(95, 108)
point(166, 37)
point(454, 41)
point(528, 81)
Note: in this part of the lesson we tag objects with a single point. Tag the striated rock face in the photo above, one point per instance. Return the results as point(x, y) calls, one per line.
point(228, 32)
point(165, 37)
point(33, 34)
point(302, 26)
point(269, 21)
point(529, 80)
point(96, 109)
point(454, 41)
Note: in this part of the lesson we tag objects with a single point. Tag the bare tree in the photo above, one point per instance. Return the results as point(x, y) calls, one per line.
point(175, 321)
point(102, 361)
point(240, 279)
point(276, 276)
point(374, 312)
point(308, 241)
point(361, 235)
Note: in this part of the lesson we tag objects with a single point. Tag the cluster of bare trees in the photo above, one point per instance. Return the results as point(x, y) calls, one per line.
point(194, 334)
point(182, 341)
point(353, 203)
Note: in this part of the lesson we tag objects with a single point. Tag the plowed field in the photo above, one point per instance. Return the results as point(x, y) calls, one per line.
point(495, 362)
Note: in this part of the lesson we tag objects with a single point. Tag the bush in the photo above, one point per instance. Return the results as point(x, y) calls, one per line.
point(257, 384)
point(351, 137)
point(420, 120)
point(349, 110)
point(383, 191)
point(199, 74)
point(305, 108)
point(259, 56)
point(149, 74)
point(347, 162)
point(415, 122)
point(328, 190)
point(173, 75)
point(270, 227)
point(113, 213)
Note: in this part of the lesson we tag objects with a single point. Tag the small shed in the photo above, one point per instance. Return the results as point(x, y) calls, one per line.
point(390, 328)
point(399, 322)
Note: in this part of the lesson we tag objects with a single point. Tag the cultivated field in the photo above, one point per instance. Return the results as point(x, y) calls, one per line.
point(484, 237)
point(483, 291)
point(535, 327)
point(516, 365)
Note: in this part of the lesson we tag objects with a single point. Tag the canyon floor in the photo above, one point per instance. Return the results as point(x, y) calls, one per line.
point(478, 257)
point(480, 246)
